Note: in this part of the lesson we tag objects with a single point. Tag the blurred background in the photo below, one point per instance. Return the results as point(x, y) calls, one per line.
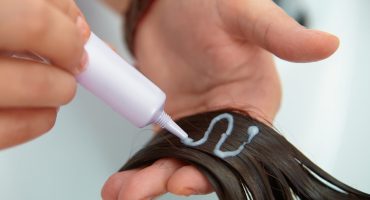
point(325, 112)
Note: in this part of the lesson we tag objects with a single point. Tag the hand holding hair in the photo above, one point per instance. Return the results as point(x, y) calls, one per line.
point(211, 55)
point(31, 92)
point(240, 163)
point(197, 50)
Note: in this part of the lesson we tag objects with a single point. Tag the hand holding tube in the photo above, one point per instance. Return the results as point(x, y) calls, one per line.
point(31, 92)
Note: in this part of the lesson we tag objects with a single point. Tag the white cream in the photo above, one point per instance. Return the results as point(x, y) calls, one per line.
point(252, 132)
point(230, 119)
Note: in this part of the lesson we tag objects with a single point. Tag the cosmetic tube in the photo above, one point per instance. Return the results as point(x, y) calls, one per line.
point(124, 88)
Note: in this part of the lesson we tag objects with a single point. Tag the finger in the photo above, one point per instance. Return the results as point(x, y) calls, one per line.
point(118, 5)
point(266, 24)
point(114, 184)
point(149, 182)
point(70, 8)
point(20, 125)
point(40, 27)
point(31, 84)
point(188, 181)
point(282, 35)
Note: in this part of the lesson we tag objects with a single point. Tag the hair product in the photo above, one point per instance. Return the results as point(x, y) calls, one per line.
point(124, 88)
point(265, 167)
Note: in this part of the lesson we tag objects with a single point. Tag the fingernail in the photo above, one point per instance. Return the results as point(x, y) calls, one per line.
point(83, 63)
point(83, 27)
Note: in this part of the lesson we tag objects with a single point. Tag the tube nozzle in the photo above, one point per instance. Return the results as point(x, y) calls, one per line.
point(167, 123)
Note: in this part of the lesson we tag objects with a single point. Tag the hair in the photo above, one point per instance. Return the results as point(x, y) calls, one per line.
point(269, 167)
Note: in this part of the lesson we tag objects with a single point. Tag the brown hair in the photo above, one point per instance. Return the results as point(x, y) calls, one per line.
point(269, 167)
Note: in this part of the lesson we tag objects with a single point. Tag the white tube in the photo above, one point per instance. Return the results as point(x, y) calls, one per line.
point(124, 88)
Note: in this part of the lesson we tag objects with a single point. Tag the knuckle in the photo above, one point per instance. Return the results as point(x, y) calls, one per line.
point(133, 183)
point(73, 49)
point(35, 19)
point(114, 180)
point(110, 187)
point(62, 5)
point(173, 186)
point(70, 8)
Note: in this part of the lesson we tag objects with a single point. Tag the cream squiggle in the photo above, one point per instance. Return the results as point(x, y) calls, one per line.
point(252, 132)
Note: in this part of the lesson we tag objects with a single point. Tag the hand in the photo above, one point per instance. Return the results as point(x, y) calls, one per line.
point(30, 91)
point(209, 55)
point(120, 6)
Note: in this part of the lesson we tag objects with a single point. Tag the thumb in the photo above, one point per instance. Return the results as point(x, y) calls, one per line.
point(70, 8)
point(271, 28)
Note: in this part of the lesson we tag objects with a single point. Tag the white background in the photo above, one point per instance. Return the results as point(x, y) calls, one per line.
point(325, 113)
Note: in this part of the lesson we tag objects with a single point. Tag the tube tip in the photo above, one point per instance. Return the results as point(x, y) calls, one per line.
point(167, 123)
point(175, 129)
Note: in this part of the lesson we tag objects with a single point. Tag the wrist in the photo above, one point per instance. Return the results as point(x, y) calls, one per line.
point(259, 96)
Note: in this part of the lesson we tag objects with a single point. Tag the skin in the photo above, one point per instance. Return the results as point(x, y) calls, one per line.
point(31, 92)
point(216, 54)
point(120, 6)
point(208, 55)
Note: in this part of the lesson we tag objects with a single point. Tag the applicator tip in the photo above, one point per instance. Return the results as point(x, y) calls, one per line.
point(165, 121)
